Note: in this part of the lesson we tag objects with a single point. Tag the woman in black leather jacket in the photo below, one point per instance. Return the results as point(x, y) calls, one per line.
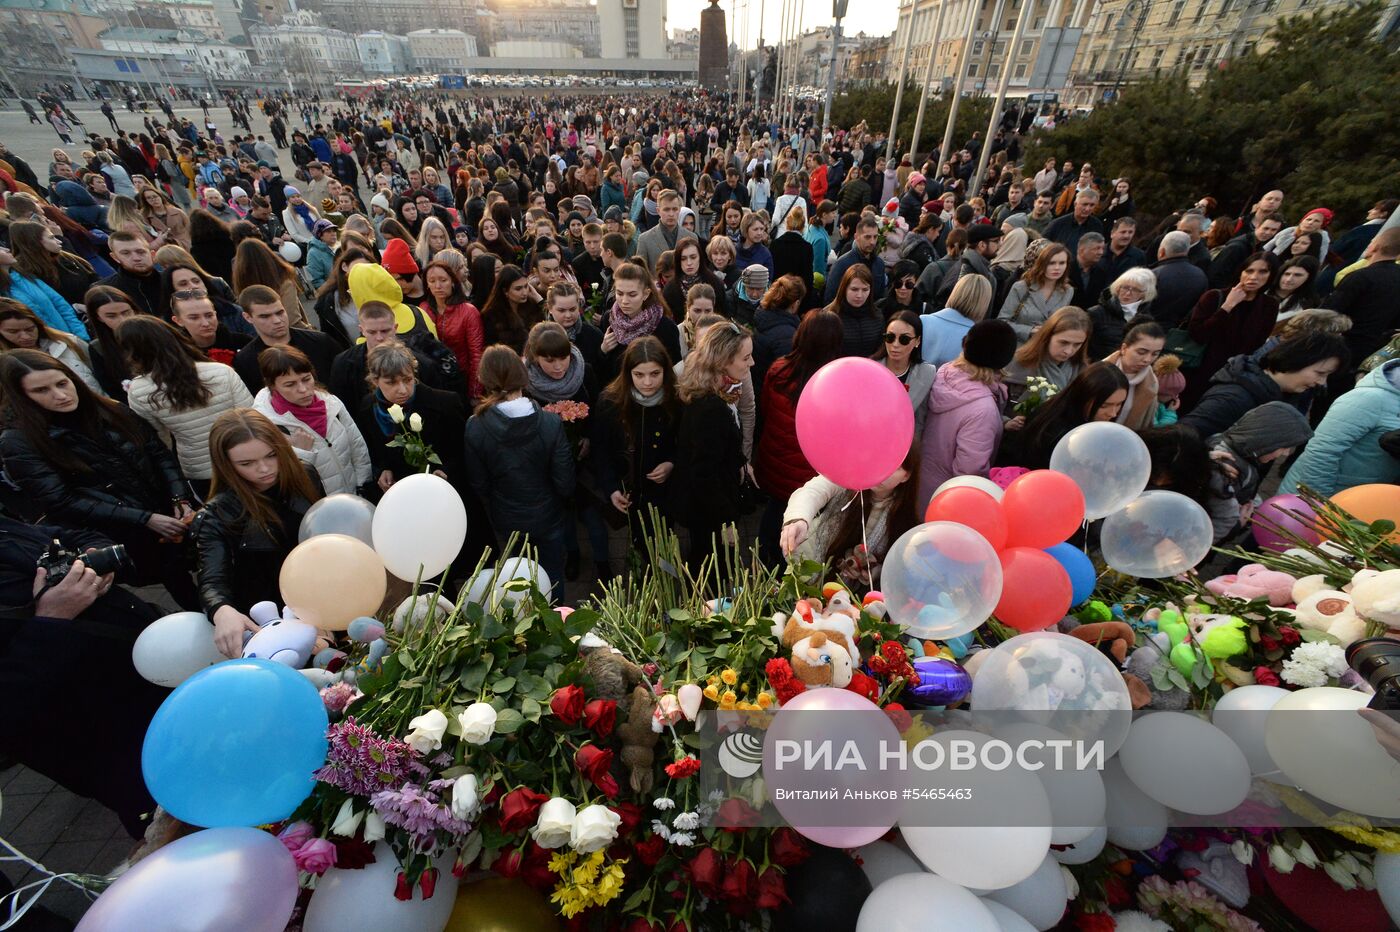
point(258, 496)
point(88, 462)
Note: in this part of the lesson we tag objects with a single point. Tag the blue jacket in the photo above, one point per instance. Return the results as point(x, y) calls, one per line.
point(821, 247)
point(839, 267)
point(943, 336)
point(47, 304)
point(613, 196)
point(756, 254)
point(1346, 449)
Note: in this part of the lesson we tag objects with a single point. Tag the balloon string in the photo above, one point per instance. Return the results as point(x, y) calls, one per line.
point(18, 905)
point(869, 578)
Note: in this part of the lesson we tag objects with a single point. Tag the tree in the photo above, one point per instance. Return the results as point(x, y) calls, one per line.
point(1314, 115)
point(875, 103)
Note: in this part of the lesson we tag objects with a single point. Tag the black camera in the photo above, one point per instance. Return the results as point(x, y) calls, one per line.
point(1378, 662)
point(58, 560)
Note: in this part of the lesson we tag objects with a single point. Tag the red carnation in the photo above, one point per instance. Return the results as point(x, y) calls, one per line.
point(1268, 643)
point(787, 848)
point(736, 815)
point(878, 664)
point(631, 816)
point(595, 764)
point(567, 704)
point(1266, 677)
point(864, 686)
point(772, 889)
point(685, 767)
point(650, 849)
point(893, 651)
point(1289, 636)
point(739, 886)
point(519, 808)
point(706, 871)
point(903, 721)
point(1094, 922)
point(600, 715)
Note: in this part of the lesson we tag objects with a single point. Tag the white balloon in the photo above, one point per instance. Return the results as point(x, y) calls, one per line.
point(1040, 898)
point(1159, 534)
point(1076, 795)
point(1109, 463)
point(1387, 872)
point(172, 649)
point(341, 513)
point(1185, 763)
point(1241, 713)
point(1082, 852)
point(981, 483)
point(419, 527)
point(1008, 918)
point(363, 900)
point(881, 860)
point(1136, 821)
point(1324, 747)
point(496, 580)
point(940, 580)
point(921, 903)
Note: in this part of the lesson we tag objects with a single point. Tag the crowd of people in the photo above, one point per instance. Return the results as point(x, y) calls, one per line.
point(589, 310)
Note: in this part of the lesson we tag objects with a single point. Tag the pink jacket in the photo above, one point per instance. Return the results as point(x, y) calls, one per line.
point(962, 429)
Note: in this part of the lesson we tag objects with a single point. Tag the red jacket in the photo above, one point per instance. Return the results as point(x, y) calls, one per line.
point(779, 465)
point(817, 184)
point(460, 330)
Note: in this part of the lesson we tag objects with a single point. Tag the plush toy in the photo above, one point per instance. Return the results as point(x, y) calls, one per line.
point(283, 640)
point(1377, 597)
point(808, 618)
point(1254, 582)
point(1308, 585)
point(1332, 612)
point(1043, 676)
point(1218, 636)
point(1113, 637)
point(823, 659)
point(619, 679)
point(412, 612)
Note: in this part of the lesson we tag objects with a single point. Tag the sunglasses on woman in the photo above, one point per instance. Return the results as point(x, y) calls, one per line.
point(903, 339)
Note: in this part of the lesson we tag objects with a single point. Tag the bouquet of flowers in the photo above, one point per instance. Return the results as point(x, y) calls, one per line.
point(1038, 391)
point(416, 452)
point(573, 414)
point(596, 303)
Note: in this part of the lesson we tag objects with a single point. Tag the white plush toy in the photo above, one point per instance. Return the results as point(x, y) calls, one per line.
point(1307, 586)
point(1332, 612)
point(1377, 597)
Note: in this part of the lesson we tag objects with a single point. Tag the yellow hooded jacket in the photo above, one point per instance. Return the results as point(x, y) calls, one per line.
point(369, 282)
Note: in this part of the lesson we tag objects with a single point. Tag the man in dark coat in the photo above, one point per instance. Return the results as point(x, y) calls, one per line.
point(1180, 283)
point(1225, 267)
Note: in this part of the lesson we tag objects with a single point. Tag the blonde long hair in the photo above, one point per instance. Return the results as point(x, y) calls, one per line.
point(704, 367)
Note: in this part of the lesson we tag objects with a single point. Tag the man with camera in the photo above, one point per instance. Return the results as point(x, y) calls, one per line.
point(61, 642)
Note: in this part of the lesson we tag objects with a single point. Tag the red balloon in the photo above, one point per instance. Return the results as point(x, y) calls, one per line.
point(972, 507)
point(1035, 589)
point(1043, 508)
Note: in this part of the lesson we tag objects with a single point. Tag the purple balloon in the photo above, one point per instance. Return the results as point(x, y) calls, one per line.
point(1273, 515)
point(218, 880)
point(941, 682)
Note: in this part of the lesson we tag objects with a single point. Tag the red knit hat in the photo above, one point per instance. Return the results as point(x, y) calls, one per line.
point(397, 259)
point(1326, 215)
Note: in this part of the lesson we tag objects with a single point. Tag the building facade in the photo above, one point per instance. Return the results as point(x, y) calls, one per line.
point(400, 17)
point(870, 62)
point(445, 51)
point(384, 53)
point(574, 22)
point(633, 28)
point(304, 47)
point(217, 60)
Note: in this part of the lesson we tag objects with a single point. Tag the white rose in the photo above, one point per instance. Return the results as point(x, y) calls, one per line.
point(464, 797)
point(1280, 860)
point(1071, 883)
point(396, 413)
point(478, 722)
point(594, 829)
point(347, 820)
point(1339, 875)
point(1305, 855)
point(555, 825)
point(1243, 852)
point(374, 827)
point(415, 422)
point(426, 731)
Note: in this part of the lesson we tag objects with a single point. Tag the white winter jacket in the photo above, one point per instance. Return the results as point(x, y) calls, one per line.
point(188, 431)
point(341, 457)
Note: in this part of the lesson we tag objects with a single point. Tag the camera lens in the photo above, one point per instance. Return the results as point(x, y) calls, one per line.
point(106, 560)
point(1378, 662)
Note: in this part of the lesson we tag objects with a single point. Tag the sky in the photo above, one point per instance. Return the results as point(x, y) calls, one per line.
point(873, 17)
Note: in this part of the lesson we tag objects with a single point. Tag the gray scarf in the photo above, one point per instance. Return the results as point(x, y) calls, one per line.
point(547, 391)
point(648, 401)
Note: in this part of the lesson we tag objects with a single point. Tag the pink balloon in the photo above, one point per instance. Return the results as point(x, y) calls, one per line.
point(1272, 516)
point(855, 422)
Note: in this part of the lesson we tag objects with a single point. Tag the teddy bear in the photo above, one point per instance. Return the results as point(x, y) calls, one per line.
point(809, 617)
point(284, 639)
point(1376, 596)
point(1332, 612)
point(1307, 585)
point(823, 659)
point(1255, 581)
point(619, 679)
point(1043, 676)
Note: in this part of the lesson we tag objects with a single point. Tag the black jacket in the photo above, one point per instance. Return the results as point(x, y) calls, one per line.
point(443, 420)
point(1240, 386)
point(348, 371)
point(666, 331)
point(330, 321)
point(1180, 285)
point(792, 255)
point(620, 465)
point(1110, 323)
point(110, 373)
point(1224, 269)
point(1367, 296)
point(772, 339)
point(239, 562)
point(862, 330)
point(522, 468)
point(590, 343)
point(144, 290)
point(709, 454)
point(318, 347)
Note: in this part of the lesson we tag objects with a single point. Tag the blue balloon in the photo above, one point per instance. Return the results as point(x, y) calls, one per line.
point(1080, 568)
point(236, 744)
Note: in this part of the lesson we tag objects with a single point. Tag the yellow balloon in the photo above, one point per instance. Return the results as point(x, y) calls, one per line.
point(332, 579)
point(501, 904)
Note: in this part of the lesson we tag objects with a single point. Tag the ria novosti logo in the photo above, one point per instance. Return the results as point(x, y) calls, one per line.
point(741, 754)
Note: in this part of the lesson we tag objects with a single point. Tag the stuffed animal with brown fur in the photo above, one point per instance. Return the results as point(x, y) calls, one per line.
point(639, 740)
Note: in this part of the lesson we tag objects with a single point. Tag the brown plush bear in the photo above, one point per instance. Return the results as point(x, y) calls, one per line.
point(1117, 639)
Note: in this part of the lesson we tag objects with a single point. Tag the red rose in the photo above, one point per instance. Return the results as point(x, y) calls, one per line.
point(772, 889)
point(706, 871)
point(223, 356)
point(510, 863)
point(1115, 891)
point(864, 685)
point(678, 925)
point(736, 815)
point(1094, 922)
point(1266, 677)
point(787, 848)
point(567, 704)
point(631, 816)
point(878, 664)
point(519, 808)
point(595, 763)
point(903, 721)
point(641, 924)
point(685, 767)
point(740, 884)
point(403, 890)
point(893, 651)
point(535, 870)
point(1268, 643)
point(352, 853)
point(1289, 636)
point(600, 715)
point(650, 849)
point(428, 882)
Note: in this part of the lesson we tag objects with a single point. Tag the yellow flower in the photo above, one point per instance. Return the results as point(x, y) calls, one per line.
point(712, 680)
point(571, 900)
point(561, 861)
point(765, 700)
point(729, 676)
point(729, 697)
point(744, 689)
point(711, 693)
point(610, 884)
point(726, 705)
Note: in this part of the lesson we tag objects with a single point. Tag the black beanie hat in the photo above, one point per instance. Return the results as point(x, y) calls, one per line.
point(990, 344)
